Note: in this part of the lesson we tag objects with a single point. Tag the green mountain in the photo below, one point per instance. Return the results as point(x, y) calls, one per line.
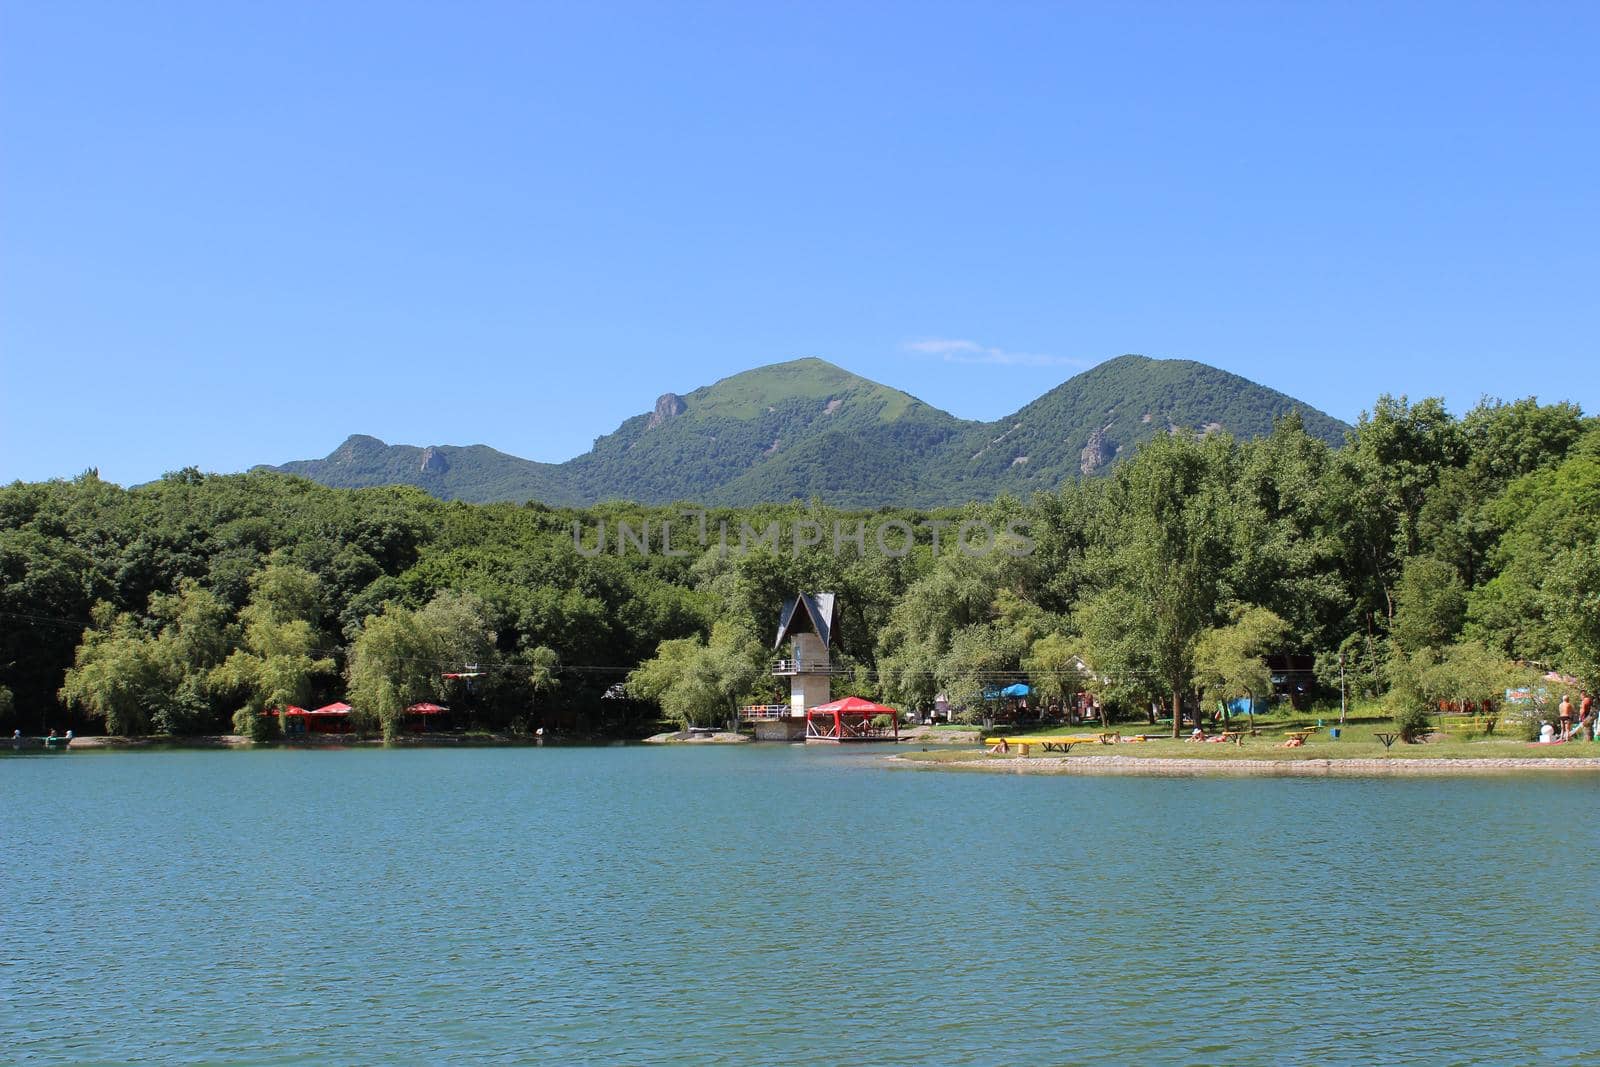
point(475, 473)
point(808, 428)
point(698, 446)
point(1082, 425)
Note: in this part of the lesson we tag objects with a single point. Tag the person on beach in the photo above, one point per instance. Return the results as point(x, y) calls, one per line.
point(1564, 713)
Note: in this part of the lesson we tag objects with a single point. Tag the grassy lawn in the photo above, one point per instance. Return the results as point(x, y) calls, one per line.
point(1357, 740)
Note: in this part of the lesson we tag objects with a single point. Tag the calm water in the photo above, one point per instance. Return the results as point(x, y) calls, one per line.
point(783, 905)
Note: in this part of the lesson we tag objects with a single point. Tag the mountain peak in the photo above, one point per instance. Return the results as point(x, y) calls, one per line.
point(806, 427)
point(766, 390)
point(668, 406)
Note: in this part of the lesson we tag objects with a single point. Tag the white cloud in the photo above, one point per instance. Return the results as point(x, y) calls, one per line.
point(956, 350)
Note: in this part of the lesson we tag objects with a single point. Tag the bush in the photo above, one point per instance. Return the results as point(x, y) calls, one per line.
point(254, 725)
point(1413, 720)
point(967, 717)
point(882, 722)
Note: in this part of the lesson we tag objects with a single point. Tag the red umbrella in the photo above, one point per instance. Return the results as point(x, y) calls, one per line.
point(338, 707)
point(272, 713)
point(426, 709)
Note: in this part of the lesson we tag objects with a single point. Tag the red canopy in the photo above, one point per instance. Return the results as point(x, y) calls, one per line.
point(855, 705)
point(426, 708)
point(338, 707)
point(272, 713)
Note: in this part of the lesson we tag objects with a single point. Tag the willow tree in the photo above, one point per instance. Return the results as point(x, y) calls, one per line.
point(1052, 667)
point(982, 659)
point(280, 654)
point(148, 673)
point(698, 681)
point(1229, 661)
point(401, 656)
point(114, 673)
point(1468, 671)
point(391, 668)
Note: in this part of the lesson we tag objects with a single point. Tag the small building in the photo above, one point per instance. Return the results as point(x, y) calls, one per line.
point(807, 625)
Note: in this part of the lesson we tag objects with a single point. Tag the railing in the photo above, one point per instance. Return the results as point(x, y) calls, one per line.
point(794, 666)
point(764, 711)
point(846, 726)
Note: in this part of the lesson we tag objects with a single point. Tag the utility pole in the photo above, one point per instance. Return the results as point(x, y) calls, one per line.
point(1341, 689)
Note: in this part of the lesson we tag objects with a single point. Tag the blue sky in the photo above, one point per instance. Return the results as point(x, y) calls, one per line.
point(234, 233)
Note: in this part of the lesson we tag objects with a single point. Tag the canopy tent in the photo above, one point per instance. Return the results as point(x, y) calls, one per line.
point(849, 719)
point(855, 705)
point(292, 709)
point(328, 719)
point(1017, 690)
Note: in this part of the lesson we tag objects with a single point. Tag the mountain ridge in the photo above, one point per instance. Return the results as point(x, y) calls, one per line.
point(807, 427)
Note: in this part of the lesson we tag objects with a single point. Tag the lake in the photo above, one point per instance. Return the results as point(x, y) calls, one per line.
point(783, 904)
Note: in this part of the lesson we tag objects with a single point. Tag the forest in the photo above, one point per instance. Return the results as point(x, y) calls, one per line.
point(1431, 557)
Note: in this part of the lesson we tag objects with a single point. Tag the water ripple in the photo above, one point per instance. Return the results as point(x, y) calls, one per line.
point(627, 905)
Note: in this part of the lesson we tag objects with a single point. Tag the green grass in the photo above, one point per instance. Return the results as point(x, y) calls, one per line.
point(1357, 740)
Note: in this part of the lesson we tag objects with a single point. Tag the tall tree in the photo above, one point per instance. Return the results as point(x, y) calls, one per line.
point(281, 652)
point(392, 666)
point(1164, 562)
point(1054, 668)
point(1230, 661)
point(696, 681)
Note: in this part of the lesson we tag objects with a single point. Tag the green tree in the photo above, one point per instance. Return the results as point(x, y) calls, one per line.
point(280, 656)
point(699, 682)
point(958, 592)
point(137, 680)
point(536, 667)
point(982, 659)
point(115, 673)
point(1571, 601)
point(1164, 562)
point(401, 656)
point(1230, 661)
point(1430, 604)
point(1422, 681)
point(392, 666)
point(1538, 604)
point(1357, 666)
point(1052, 666)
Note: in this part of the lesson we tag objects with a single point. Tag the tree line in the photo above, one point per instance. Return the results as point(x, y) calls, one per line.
point(1432, 557)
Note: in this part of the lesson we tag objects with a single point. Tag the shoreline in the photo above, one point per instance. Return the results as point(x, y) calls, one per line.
point(105, 743)
point(1190, 767)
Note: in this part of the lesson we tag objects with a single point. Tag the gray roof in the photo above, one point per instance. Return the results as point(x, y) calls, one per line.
point(808, 612)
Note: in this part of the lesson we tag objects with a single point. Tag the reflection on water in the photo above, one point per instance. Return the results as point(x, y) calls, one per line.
point(783, 904)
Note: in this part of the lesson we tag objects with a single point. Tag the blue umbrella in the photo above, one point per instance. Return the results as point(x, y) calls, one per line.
point(1018, 690)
